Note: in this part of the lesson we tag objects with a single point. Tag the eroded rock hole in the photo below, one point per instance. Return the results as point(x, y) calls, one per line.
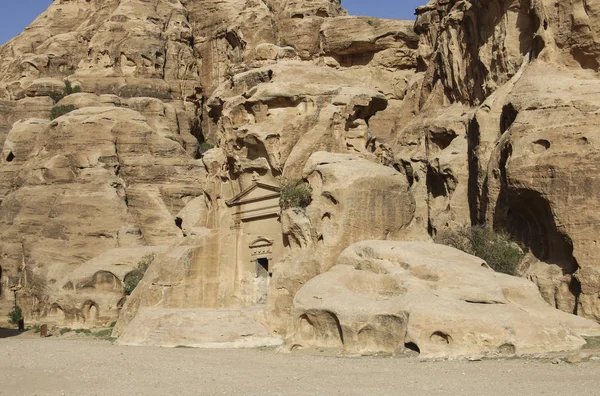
point(436, 183)
point(330, 197)
point(10, 157)
point(179, 222)
point(442, 139)
point(412, 347)
point(322, 328)
point(440, 337)
point(537, 46)
point(507, 349)
point(508, 117)
point(528, 217)
point(234, 40)
point(542, 144)
point(216, 111)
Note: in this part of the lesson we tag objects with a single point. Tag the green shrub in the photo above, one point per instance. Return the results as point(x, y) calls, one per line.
point(499, 250)
point(103, 333)
point(134, 277)
point(68, 90)
point(15, 315)
point(295, 194)
point(204, 147)
point(58, 111)
point(56, 96)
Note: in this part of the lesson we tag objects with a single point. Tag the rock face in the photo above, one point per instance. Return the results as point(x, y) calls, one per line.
point(128, 178)
point(527, 77)
point(137, 133)
point(384, 297)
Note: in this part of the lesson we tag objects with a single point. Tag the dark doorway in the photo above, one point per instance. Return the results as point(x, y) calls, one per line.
point(262, 268)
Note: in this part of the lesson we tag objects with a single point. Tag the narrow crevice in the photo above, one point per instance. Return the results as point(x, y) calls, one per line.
point(575, 289)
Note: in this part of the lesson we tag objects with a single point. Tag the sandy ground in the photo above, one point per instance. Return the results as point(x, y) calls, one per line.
point(81, 366)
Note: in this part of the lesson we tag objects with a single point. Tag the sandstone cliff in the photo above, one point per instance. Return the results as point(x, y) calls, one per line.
point(187, 113)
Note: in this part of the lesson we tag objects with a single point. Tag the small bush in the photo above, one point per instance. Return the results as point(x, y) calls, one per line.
point(15, 315)
point(68, 90)
point(499, 250)
point(103, 333)
point(58, 111)
point(56, 96)
point(295, 194)
point(204, 147)
point(134, 277)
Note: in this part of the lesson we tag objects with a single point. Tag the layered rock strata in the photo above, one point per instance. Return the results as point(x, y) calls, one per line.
point(176, 122)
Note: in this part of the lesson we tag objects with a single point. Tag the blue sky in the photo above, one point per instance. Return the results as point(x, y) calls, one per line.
point(16, 15)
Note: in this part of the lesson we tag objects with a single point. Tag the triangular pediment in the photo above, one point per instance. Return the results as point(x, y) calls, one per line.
point(256, 192)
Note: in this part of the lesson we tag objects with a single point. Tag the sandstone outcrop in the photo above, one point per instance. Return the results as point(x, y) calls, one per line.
point(384, 297)
point(525, 74)
point(156, 86)
point(175, 124)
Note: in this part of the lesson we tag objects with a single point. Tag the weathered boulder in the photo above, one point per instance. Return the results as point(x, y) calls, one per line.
point(353, 199)
point(384, 297)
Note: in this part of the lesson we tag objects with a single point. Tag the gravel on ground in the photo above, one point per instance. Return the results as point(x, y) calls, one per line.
point(81, 366)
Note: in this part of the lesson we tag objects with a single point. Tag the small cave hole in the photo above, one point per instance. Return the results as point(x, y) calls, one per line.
point(327, 215)
point(436, 183)
point(537, 46)
point(331, 198)
point(412, 346)
point(507, 349)
point(542, 145)
point(10, 157)
point(583, 141)
point(443, 139)
point(179, 222)
point(508, 117)
point(441, 337)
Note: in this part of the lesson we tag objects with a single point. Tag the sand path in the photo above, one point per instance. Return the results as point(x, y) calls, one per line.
point(33, 366)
